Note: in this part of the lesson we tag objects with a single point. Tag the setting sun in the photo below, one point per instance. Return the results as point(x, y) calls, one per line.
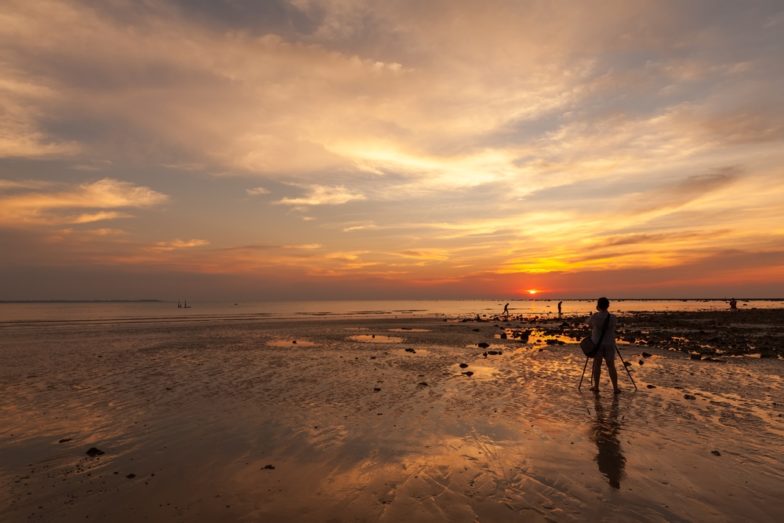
point(532, 292)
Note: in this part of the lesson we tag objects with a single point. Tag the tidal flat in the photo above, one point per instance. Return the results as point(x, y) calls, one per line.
point(390, 420)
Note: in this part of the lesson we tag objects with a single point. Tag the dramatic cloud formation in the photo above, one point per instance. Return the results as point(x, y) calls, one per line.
point(373, 148)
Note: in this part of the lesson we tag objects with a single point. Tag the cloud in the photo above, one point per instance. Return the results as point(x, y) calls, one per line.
point(304, 246)
point(686, 190)
point(51, 203)
point(99, 216)
point(324, 195)
point(257, 191)
point(180, 244)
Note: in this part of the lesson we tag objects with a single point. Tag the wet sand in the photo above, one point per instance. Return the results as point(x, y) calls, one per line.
point(233, 421)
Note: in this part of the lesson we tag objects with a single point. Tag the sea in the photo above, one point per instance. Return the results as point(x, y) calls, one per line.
point(155, 310)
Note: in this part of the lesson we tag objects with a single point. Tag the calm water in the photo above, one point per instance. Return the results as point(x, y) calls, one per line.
point(14, 312)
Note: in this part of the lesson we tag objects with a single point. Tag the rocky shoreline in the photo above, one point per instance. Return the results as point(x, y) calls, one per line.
point(705, 335)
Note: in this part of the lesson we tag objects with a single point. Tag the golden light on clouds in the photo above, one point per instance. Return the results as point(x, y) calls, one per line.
point(368, 148)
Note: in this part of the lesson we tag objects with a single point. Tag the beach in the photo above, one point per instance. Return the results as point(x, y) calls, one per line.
point(391, 419)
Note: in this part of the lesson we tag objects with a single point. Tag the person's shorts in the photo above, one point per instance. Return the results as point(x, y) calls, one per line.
point(607, 352)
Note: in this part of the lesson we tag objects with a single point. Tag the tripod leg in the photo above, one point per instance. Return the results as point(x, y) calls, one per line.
point(625, 367)
point(583, 374)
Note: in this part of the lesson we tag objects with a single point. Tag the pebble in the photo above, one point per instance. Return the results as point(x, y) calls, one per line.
point(422, 384)
point(716, 453)
point(689, 397)
point(131, 475)
point(268, 467)
point(651, 386)
point(412, 351)
point(64, 440)
point(468, 373)
point(483, 345)
point(463, 365)
point(94, 451)
point(646, 354)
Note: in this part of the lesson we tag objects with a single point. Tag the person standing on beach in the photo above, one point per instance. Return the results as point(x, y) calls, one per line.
point(506, 310)
point(559, 308)
point(606, 350)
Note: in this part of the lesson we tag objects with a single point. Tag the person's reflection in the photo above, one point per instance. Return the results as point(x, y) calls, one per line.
point(610, 457)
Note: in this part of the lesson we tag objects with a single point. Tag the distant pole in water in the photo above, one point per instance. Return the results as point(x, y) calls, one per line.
point(179, 305)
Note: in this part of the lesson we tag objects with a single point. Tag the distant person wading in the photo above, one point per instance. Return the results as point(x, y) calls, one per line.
point(607, 349)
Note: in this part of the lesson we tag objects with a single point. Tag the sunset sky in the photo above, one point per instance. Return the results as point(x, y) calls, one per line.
point(391, 149)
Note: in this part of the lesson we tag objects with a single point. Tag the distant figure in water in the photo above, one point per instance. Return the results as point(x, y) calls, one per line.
point(559, 308)
point(733, 304)
point(506, 310)
point(606, 350)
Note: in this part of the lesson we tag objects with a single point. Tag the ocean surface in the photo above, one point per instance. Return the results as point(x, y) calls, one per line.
point(169, 311)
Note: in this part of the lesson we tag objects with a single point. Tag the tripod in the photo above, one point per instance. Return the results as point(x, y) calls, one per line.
point(624, 366)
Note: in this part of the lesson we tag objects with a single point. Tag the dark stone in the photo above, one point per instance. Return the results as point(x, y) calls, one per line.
point(463, 365)
point(64, 440)
point(422, 384)
point(468, 373)
point(715, 452)
point(131, 475)
point(294, 342)
point(494, 353)
point(651, 386)
point(483, 345)
point(94, 452)
point(412, 351)
point(476, 330)
point(268, 467)
point(689, 397)
point(376, 389)
point(641, 362)
point(646, 354)
point(627, 363)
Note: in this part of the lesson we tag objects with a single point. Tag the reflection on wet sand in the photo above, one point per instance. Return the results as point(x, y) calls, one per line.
point(606, 430)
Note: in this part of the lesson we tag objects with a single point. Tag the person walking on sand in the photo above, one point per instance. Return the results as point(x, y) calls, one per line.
point(607, 349)
point(559, 308)
point(506, 310)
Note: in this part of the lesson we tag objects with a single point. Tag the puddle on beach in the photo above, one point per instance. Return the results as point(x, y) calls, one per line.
point(540, 337)
point(534, 337)
point(291, 343)
point(408, 329)
point(375, 338)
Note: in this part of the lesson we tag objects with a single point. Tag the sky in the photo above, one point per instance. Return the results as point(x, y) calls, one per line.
point(303, 149)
